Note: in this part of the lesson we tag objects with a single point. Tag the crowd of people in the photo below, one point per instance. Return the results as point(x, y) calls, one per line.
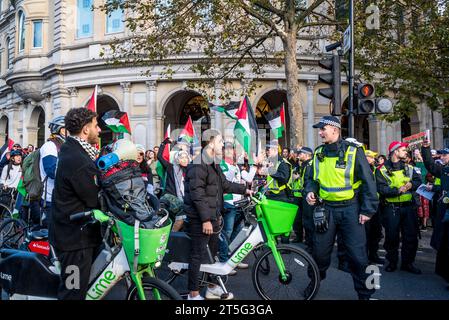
point(364, 196)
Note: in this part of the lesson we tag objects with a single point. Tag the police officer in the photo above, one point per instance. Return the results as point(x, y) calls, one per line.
point(304, 217)
point(279, 174)
point(342, 178)
point(374, 226)
point(396, 181)
point(440, 236)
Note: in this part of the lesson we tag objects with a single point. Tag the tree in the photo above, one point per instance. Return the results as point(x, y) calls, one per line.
point(408, 55)
point(234, 39)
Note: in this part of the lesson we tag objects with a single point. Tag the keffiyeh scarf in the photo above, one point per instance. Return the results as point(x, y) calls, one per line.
point(91, 151)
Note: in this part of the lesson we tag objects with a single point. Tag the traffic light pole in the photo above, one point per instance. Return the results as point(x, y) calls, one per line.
point(351, 72)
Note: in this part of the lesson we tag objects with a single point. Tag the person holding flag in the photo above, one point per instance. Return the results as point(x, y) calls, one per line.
point(173, 195)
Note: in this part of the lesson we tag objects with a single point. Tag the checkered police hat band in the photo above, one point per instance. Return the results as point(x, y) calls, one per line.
point(331, 123)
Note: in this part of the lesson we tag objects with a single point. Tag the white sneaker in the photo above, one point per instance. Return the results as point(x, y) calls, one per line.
point(232, 273)
point(216, 292)
point(242, 265)
point(198, 297)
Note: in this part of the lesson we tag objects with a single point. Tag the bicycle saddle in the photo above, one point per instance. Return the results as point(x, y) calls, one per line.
point(39, 234)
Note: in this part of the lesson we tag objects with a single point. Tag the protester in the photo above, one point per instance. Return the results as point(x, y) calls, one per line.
point(205, 185)
point(76, 190)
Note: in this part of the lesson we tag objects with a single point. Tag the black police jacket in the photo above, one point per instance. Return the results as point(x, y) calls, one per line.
point(76, 190)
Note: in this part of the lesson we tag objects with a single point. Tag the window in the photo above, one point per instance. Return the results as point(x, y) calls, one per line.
point(8, 48)
point(85, 17)
point(21, 31)
point(114, 22)
point(37, 34)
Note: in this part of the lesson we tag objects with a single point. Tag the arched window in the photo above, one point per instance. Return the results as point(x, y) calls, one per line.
point(21, 30)
point(84, 18)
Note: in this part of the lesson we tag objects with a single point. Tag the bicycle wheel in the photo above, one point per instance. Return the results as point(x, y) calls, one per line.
point(302, 281)
point(12, 233)
point(155, 289)
point(5, 212)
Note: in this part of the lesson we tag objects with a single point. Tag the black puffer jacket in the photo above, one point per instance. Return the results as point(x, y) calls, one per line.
point(204, 188)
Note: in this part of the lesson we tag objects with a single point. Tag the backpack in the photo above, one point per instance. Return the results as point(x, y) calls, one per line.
point(32, 176)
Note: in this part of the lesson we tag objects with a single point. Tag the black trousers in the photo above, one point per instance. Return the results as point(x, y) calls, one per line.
point(344, 221)
point(298, 223)
point(400, 222)
point(73, 287)
point(373, 234)
point(307, 222)
point(198, 251)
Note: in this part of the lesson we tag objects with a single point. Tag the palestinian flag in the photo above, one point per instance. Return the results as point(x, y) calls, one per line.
point(21, 188)
point(188, 133)
point(229, 109)
point(92, 104)
point(245, 130)
point(117, 121)
point(276, 119)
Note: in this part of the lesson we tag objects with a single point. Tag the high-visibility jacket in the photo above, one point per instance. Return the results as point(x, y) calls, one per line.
point(397, 179)
point(275, 185)
point(336, 179)
point(298, 184)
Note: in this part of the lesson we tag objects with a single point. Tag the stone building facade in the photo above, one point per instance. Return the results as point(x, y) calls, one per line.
point(50, 62)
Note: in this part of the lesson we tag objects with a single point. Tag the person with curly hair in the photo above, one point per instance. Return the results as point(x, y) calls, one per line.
point(76, 190)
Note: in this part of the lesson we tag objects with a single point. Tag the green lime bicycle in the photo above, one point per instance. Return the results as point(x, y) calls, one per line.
point(128, 253)
point(280, 271)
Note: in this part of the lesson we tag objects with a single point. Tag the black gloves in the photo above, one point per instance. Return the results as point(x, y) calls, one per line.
point(320, 219)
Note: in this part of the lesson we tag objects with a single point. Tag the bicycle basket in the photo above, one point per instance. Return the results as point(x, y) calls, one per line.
point(279, 215)
point(152, 243)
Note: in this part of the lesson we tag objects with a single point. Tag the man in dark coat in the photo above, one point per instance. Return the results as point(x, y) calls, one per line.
point(205, 185)
point(76, 190)
point(440, 236)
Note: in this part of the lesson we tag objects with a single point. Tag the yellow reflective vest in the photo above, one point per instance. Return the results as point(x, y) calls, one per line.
point(275, 184)
point(396, 180)
point(336, 181)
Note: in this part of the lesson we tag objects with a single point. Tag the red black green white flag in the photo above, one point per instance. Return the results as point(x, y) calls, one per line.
point(276, 119)
point(188, 133)
point(245, 130)
point(117, 121)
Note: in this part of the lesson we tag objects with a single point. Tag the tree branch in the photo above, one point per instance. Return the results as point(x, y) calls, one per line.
point(309, 10)
point(262, 19)
point(266, 5)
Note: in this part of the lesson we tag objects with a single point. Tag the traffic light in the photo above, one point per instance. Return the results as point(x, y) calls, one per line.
point(366, 101)
point(334, 79)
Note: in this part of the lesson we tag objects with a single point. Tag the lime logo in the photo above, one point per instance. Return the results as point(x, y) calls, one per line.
point(242, 253)
point(101, 286)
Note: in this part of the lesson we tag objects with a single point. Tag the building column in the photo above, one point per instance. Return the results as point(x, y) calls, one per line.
point(73, 92)
point(374, 132)
point(159, 128)
point(126, 86)
point(383, 137)
point(48, 114)
point(437, 130)
point(218, 115)
point(310, 113)
point(25, 106)
point(153, 128)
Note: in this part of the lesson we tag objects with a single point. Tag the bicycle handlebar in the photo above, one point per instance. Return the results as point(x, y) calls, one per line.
point(80, 215)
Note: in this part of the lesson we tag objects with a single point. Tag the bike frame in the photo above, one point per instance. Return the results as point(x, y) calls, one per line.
point(259, 235)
